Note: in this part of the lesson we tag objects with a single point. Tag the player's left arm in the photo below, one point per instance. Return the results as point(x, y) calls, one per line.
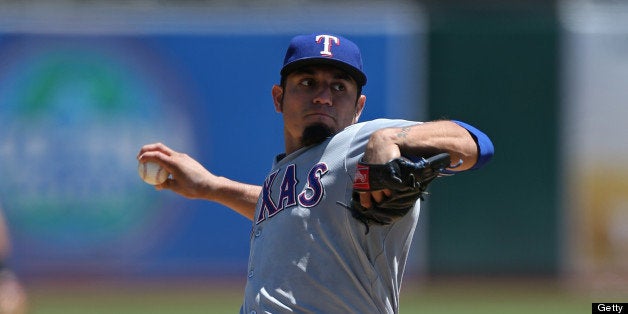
point(468, 147)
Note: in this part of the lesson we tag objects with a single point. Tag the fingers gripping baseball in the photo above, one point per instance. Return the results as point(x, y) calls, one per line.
point(187, 176)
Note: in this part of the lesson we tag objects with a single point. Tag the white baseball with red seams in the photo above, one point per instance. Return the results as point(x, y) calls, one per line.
point(152, 173)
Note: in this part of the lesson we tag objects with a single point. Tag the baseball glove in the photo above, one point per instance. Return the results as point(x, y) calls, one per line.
point(406, 179)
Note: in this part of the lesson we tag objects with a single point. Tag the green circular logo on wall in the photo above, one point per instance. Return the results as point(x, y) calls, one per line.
point(74, 114)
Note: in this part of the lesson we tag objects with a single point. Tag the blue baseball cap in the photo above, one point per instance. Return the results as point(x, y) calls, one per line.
point(324, 49)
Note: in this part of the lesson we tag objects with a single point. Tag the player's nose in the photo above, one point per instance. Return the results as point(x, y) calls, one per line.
point(323, 96)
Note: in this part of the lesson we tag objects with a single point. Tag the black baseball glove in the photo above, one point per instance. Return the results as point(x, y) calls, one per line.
point(406, 179)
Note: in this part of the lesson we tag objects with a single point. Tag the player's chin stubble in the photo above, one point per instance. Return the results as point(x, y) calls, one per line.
point(315, 134)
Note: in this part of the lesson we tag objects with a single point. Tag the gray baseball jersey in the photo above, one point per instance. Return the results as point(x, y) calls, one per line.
point(308, 254)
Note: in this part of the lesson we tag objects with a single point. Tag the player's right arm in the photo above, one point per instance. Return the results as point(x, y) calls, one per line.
point(190, 179)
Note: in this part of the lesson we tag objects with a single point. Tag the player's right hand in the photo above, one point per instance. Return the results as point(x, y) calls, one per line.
point(188, 177)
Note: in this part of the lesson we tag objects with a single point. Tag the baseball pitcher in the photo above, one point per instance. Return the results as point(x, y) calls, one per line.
point(333, 221)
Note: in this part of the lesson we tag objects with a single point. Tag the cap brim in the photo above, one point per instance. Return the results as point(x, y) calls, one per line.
point(357, 75)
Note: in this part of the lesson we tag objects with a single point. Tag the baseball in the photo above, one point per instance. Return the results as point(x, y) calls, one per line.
point(152, 173)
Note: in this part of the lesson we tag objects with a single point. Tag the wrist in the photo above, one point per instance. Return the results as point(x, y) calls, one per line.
point(216, 187)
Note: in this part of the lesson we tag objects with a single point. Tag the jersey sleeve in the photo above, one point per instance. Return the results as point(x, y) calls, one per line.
point(483, 142)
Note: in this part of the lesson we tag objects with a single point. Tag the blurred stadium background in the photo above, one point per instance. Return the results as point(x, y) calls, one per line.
point(83, 84)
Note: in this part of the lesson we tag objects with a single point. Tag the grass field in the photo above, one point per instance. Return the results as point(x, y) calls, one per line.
point(435, 297)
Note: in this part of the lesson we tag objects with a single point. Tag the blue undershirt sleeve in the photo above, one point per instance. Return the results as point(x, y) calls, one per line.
point(484, 144)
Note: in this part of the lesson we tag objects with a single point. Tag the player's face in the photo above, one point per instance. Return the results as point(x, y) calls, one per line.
point(321, 98)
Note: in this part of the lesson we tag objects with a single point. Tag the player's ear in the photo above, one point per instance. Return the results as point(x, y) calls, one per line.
point(359, 106)
point(277, 93)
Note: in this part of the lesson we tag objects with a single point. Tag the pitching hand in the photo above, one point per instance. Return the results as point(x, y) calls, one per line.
point(188, 177)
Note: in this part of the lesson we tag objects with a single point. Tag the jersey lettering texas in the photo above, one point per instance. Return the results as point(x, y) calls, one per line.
point(311, 195)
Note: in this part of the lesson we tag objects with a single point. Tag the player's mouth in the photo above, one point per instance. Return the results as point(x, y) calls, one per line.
point(319, 116)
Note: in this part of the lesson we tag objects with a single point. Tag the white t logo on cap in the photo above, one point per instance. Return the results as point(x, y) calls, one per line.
point(327, 40)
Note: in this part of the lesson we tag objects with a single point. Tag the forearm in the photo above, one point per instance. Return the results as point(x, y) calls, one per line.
point(423, 140)
point(190, 179)
point(240, 197)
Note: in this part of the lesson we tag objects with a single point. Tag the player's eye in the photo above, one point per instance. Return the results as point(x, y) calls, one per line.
point(307, 82)
point(339, 87)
